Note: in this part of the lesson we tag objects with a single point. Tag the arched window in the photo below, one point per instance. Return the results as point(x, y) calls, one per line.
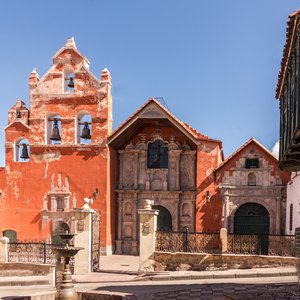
point(251, 179)
point(53, 129)
point(68, 80)
point(11, 234)
point(291, 217)
point(158, 155)
point(22, 150)
point(83, 129)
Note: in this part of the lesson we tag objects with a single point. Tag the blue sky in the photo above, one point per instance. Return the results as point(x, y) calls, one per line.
point(214, 62)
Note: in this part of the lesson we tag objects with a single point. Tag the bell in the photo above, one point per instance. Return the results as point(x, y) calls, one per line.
point(55, 132)
point(86, 133)
point(24, 153)
point(18, 114)
point(71, 83)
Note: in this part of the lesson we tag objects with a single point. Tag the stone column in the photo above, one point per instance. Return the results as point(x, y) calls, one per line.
point(67, 203)
point(53, 203)
point(4, 249)
point(135, 164)
point(121, 159)
point(83, 238)
point(278, 216)
point(223, 237)
point(148, 227)
point(225, 211)
point(120, 221)
point(134, 250)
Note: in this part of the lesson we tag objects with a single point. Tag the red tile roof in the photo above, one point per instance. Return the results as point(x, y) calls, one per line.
point(290, 32)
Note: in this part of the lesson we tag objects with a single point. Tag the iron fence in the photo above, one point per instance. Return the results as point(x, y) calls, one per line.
point(196, 242)
point(262, 244)
point(33, 252)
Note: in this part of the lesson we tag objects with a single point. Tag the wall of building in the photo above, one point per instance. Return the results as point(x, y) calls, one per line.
point(64, 172)
point(293, 204)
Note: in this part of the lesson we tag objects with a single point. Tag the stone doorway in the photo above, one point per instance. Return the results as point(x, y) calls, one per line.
point(253, 218)
point(164, 220)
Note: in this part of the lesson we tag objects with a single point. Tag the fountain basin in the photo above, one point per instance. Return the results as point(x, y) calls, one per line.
point(67, 252)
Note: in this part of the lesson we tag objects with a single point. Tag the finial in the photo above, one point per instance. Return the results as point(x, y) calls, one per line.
point(71, 43)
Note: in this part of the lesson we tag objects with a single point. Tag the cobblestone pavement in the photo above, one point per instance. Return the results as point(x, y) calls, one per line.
point(237, 288)
point(233, 291)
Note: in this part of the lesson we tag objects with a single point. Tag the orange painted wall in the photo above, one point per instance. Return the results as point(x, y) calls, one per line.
point(23, 185)
point(208, 214)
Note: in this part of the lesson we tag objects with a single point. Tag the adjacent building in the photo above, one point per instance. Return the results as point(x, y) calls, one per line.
point(253, 191)
point(288, 94)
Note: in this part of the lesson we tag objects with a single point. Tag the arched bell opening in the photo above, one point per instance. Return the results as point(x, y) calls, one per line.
point(68, 80)
point(53, 129)
point(22, 150)
point(83, 130)
point(164, 218)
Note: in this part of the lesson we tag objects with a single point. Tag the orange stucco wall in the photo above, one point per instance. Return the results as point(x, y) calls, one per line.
point(24, 186)
point(208, 213)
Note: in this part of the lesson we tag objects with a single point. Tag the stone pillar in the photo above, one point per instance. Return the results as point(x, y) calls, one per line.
point(83, 238)
point(278, 216)
point(53, 204)
point(148, 227)
point(223, 237)
point(225, 211)
point(121, 160)
point(134, 250)
point(135, 164)
point(120, 221)
point(4, 249)
point(67, 203)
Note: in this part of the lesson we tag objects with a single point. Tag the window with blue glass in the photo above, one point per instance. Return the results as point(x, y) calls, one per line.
point(158, 155)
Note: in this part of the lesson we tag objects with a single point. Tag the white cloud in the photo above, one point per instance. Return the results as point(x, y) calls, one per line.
point(275, 150)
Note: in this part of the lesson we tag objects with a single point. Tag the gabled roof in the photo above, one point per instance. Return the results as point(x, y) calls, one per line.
point(70, 44)
point(17, 121)
point(290, 33)
point(193, 134)
point(252, 140)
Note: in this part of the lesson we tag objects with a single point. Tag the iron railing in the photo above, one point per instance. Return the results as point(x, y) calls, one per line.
point(196, 242)
point(33, 252)
point(262, 244)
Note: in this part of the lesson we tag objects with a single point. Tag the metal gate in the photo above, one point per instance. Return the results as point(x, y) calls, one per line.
point(95, 248)
point(253, 218)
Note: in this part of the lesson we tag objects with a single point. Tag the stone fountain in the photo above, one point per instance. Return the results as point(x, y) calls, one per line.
point(66, 289)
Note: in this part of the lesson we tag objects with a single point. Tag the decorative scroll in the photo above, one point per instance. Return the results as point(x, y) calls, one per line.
point(204, 242)
point(273, 245)
point(282, 245)
point(40, 253)
point(169, 241)
point(188, 242)
point(243, 244)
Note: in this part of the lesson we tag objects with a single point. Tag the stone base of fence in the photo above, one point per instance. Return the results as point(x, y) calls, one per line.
point(28, 269)
point(4, 249)
point(181, 261)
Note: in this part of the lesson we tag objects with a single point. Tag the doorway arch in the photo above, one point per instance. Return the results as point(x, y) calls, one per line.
point(253, 218)
point(164, 218)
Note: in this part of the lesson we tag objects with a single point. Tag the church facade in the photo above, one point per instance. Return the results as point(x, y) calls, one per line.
point(62, 149)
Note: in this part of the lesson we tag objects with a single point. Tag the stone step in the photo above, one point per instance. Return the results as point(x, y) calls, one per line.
point(24, 281)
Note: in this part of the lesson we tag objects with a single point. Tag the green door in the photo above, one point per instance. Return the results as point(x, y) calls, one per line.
point(164, 219)
point(253, 218)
